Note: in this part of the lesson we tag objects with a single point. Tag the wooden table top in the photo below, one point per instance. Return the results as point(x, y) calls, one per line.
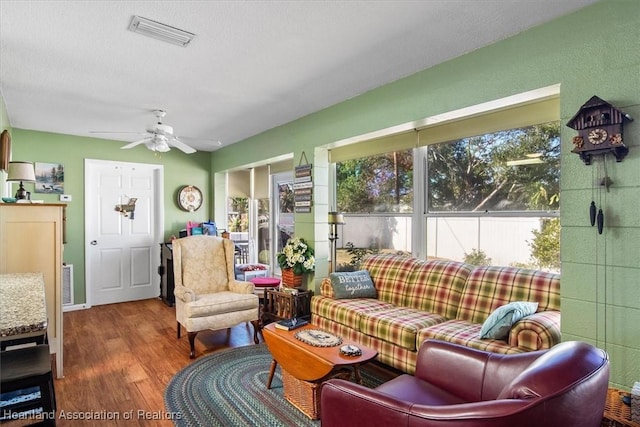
point(306, 362)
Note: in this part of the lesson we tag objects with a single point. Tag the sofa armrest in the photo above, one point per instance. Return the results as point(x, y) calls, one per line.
point(240, 287)
point(326, 290)
point(184, 294)
point(536, 332)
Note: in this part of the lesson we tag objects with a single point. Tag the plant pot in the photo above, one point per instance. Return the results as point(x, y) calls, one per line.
point(290, 279)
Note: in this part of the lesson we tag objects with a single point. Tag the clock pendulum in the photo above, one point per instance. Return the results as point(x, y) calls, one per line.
point(592, 213)
point(598, 218)
point(600, 221)
point(592, 207)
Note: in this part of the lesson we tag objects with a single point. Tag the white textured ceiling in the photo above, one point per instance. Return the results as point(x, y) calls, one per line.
point(72, 67)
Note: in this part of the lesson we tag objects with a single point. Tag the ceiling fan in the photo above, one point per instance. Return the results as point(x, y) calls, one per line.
point(160, 137)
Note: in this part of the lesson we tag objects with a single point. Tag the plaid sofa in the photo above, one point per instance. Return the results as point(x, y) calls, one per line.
point(445, 300)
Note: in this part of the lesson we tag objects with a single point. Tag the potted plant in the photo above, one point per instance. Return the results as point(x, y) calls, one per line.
point(295, 259)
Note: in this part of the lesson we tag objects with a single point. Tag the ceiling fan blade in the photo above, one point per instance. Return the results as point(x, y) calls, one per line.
point(112, 132)
point(175, 142)
point(134, 143)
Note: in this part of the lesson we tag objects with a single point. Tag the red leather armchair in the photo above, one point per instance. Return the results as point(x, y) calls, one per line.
point(565, 386)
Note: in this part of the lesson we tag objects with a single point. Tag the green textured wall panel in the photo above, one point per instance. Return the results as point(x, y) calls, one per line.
point(578, 245)
point(583, 325)
point(624, 365)
point(622, 246)
point(625, 287)
point(583, 286)
point(622, 325)
point(580, 201)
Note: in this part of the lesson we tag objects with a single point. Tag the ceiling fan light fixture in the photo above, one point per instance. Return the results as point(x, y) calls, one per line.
point(158, 143)
point(160, 31)
point(162, 147)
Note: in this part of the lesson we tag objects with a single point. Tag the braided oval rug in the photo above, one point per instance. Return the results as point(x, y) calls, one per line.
point(228, 388)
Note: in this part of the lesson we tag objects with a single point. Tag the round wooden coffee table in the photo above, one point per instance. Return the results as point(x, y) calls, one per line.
point(309, 365)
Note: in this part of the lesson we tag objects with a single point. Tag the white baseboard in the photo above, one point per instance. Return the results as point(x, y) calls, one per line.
point(75, 307)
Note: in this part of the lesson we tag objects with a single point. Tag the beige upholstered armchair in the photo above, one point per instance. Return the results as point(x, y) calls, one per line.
point(207, 294)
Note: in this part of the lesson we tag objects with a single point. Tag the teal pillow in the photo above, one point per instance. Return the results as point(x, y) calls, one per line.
point(501, 320)
point(352, 284)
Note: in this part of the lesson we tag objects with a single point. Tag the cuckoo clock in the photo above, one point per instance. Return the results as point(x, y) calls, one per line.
point(599, 126)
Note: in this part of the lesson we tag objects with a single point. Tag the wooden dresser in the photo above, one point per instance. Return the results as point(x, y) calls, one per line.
point(31, 238)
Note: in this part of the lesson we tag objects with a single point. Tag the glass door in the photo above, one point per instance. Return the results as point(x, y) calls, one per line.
point(282, 206)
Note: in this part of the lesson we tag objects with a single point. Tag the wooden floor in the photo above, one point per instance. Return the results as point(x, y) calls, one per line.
point(118, 359)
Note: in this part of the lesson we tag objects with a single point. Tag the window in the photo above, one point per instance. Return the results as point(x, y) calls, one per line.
point(375, 194)
point(382, 183)
point(487, 179)
point(494, 199)
point(513, 170)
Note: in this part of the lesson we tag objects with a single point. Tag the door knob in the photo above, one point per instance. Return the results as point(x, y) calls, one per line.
point(93, 242)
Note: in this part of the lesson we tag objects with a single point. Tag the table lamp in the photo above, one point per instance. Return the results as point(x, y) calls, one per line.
point(23, 172)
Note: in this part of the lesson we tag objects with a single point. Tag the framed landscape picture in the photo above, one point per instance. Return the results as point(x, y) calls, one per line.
point(49, 178)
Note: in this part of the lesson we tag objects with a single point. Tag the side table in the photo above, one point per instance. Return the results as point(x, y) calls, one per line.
point(280, 304)
point(616, 413)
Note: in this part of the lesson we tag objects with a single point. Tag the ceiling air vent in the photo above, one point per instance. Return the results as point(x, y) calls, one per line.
point(160, 31)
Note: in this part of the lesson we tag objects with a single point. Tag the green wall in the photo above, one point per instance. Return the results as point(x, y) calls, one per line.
point(179, 169)
point(591, 52)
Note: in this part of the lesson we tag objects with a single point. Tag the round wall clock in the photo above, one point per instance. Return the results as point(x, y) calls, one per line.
point(597, 136)
point(189, 198)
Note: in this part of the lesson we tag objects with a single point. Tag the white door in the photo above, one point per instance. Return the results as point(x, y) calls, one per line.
point(122, 252)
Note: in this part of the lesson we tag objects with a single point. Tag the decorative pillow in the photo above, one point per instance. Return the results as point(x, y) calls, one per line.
point(499, 322)
point(352, 284)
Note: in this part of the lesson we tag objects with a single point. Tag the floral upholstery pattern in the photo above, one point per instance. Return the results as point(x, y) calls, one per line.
point(208, 296)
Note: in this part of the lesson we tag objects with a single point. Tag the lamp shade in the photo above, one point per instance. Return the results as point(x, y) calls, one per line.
point(21, 171)
point(335, 218)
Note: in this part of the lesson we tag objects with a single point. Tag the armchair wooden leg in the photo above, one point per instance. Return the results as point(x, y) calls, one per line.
point(192, 343)
point(256, 328)
point(178, 329)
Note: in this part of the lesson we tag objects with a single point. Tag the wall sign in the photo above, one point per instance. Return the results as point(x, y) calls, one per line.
point(303, 186)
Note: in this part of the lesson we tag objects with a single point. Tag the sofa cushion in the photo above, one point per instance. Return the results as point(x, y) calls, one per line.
point(352, 284)
point(437, 286)
point(465, 333)
point(398, 326)
point(392, 276)
point(499, 322)
point(345, 311)
point(488, 288)
point(220, 303)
